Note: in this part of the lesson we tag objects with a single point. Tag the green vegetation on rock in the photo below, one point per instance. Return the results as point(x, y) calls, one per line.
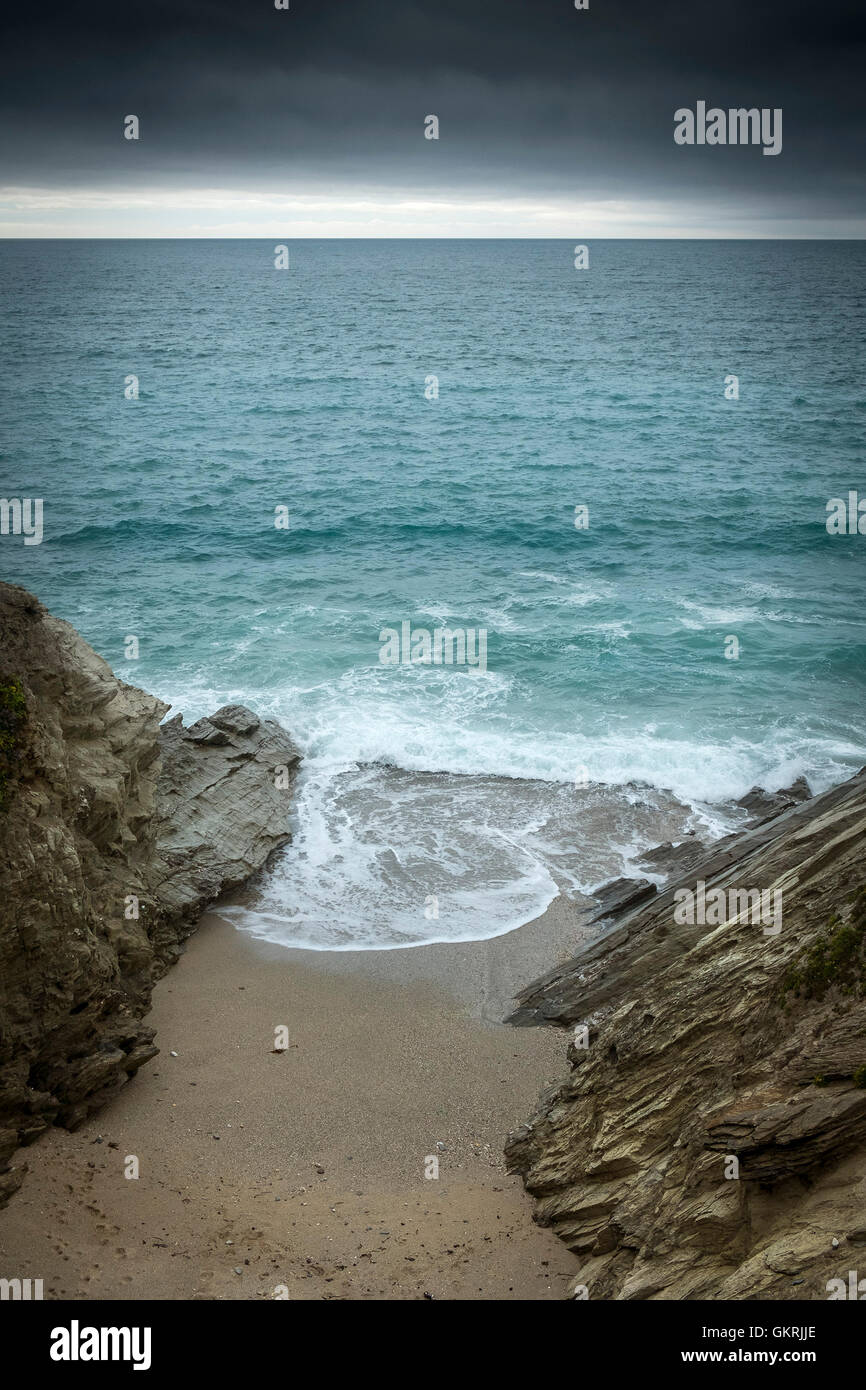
point(834, 959)
point(13, 715)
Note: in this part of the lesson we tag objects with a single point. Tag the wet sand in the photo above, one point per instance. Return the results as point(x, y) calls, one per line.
point(303, 1173)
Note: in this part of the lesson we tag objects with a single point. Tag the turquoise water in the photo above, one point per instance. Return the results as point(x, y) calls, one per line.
point(305, 388)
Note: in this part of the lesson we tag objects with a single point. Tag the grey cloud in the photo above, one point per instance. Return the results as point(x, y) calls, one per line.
point(530, 96)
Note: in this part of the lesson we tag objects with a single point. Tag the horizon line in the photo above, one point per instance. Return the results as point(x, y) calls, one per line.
point(325, 237)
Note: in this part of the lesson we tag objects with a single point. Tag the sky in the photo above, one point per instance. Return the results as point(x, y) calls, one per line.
point(310, 121)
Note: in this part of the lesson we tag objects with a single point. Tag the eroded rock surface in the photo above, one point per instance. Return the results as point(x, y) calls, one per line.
point(221, 813)
point(763, 805)
point(712, 1049)
point(668, 858)
point(114, 835)
point(621, 893)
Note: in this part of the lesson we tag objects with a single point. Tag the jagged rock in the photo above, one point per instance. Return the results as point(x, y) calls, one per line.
point(765, 805)
point(709, 1043)
point(113, 836)
point(221, 815)
point(622, 893)
point(670, 858)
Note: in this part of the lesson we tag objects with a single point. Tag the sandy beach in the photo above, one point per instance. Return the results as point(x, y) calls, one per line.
point(301, 1173)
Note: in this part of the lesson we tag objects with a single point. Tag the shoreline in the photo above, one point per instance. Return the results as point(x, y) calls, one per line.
point(482, 976)
point(317, 1177)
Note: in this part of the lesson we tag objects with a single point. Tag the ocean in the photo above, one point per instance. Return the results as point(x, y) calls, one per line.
point(429, 415)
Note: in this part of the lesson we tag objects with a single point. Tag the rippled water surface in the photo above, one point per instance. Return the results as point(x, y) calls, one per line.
point(306, 389)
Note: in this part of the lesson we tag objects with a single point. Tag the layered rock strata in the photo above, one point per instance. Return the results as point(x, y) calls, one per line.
point(711, 1139)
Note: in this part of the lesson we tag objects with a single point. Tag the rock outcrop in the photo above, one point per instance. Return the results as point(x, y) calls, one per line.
point(222, 803)
point(711, 1140)
point(114, 835)
point(620, 894)
point(763, 805)
point(669, 858)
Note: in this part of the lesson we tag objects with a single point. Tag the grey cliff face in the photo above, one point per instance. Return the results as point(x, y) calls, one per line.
point(221, 815)
point(711, 1140)
point(115, 833)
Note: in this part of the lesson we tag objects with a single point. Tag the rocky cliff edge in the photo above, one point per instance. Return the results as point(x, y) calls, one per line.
point(115, 832)
point(710, 1142)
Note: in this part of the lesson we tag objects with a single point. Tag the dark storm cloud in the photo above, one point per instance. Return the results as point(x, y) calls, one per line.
point(530, 95)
